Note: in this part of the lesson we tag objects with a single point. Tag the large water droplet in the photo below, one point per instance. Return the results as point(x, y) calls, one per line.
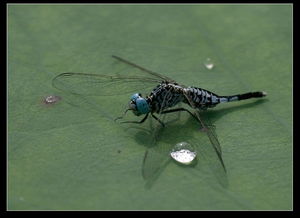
point(183, 153)
point(208, 64)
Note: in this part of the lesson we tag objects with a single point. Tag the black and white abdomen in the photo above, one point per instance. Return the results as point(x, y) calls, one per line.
point(200, 98)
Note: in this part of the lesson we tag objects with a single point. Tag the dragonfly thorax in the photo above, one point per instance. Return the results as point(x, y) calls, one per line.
point(166, 95)
point(138, 104)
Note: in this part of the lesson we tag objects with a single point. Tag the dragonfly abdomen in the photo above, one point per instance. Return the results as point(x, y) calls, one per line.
point(200, 98)
point(240, 97)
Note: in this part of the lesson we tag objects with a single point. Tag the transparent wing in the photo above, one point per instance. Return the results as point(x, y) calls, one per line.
point(164, 139)
point(133, 79)
point(209, 129)
point(98, 93)
point(101, 85)
point(144, 70)
point(212, 154)
point(157, 156)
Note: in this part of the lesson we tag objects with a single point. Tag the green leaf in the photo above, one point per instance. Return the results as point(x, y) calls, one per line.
point(71, 155)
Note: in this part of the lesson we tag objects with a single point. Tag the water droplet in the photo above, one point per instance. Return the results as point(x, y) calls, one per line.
point(209, 64)
point(51, 99)
point(183, 153)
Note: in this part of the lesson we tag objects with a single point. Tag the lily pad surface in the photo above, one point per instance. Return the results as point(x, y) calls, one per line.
point(70, 154)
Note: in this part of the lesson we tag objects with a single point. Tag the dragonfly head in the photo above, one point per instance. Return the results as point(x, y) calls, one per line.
point(138, 104)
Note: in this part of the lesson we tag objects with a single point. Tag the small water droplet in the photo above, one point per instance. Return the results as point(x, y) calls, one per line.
point(208, 64)
point(51, 99)
point(183, 153)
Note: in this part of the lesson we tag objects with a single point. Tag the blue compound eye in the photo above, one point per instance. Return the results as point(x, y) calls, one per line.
point(134, 96)
point(142, 106)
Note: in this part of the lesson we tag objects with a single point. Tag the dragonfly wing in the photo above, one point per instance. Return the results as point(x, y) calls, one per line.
point(155, 159)
point(100, 85)
point(143, 70)
point(158, 155)
point(83, 89)
point(209, 129)
point(133, 78)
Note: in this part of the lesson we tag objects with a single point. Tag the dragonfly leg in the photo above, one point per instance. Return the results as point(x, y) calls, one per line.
point(138, 122)
point(121, 117)
point(179, 109)
point(158, 120)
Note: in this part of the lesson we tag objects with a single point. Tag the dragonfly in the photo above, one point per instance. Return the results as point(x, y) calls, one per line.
point(162, 100)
